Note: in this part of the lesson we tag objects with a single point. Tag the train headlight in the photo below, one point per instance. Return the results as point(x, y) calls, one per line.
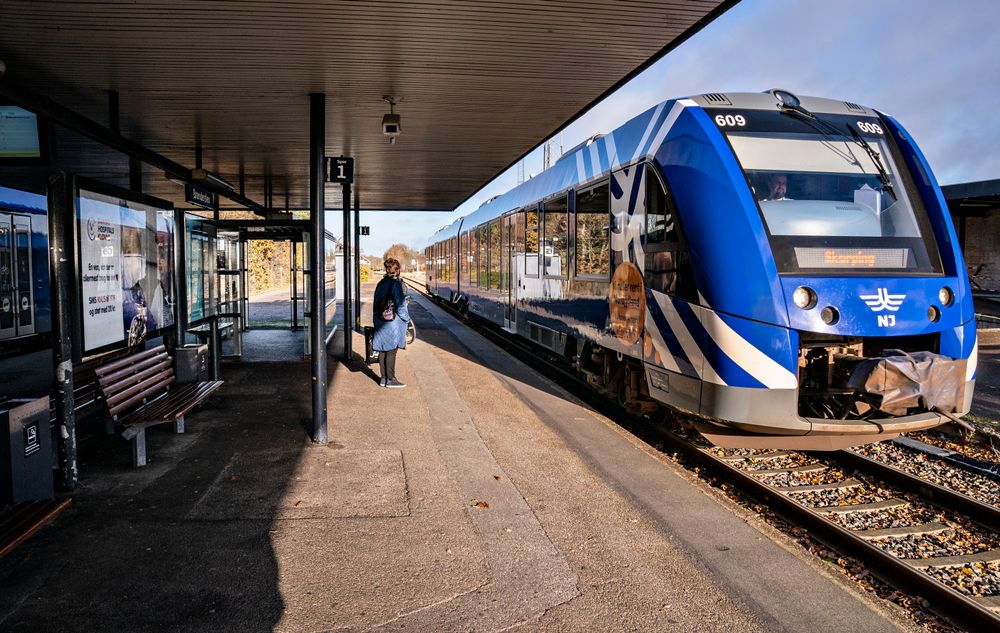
point(830, 315)
point(804, 297)
point(933, 314)
point(946, 296)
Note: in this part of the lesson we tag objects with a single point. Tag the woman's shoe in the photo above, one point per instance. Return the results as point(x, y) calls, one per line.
point(395, 384)
point(381, 381)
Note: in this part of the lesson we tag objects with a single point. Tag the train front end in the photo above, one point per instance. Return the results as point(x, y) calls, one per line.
point(864, 312)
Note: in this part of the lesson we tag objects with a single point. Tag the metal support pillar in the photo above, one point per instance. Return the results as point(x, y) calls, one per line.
point(60, 263)
point(114, 124)
point(214, 348)
point(348, 273)
point(357, 260)
point(317, 301)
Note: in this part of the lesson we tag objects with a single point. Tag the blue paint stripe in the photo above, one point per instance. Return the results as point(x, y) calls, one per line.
point(725, 367)
point(673, 345)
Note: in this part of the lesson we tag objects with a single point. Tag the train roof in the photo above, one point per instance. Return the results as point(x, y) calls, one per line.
point(17, 200)
point(632, 141)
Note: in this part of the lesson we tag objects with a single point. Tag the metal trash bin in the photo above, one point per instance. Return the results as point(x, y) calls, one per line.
point(191, 363)
point(25, 451)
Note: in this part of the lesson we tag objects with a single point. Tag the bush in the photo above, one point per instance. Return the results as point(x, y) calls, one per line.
point(365, 273)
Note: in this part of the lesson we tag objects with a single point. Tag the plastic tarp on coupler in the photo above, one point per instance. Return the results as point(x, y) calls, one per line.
point(904, 381)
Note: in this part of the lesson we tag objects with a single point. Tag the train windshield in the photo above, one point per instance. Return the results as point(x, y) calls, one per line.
point(834, 201)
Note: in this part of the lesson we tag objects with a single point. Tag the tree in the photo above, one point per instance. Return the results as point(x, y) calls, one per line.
point(405, 254)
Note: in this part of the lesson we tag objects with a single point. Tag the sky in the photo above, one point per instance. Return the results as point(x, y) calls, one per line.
point(934, 66)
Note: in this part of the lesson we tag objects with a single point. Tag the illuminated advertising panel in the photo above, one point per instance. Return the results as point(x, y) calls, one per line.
point(125, 250)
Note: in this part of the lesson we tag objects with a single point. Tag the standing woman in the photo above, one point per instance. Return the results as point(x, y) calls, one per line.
point(391, 318)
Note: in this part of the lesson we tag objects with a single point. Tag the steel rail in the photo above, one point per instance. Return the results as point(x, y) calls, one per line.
point(985, 515)
point(947, 602)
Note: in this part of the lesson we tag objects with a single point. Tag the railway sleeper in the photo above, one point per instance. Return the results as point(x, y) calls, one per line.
point(921, 529)
point(805, 468)
point(876, 506)
point(990, 556)
point(759, 457)
point(837, 485)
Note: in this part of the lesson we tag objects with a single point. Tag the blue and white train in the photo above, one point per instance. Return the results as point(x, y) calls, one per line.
point(738, 257)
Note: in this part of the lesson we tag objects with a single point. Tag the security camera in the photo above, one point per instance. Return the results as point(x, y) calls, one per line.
point(390, 122)
point(391, 127)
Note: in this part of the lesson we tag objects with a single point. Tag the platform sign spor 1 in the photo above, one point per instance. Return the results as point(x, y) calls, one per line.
point(627, 302)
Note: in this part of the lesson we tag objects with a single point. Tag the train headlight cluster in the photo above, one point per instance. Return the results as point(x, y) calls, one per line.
point(946, 296)
point(804, 297)
point(933, 313)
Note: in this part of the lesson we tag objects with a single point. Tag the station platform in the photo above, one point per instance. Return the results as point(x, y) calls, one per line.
point(480, 498)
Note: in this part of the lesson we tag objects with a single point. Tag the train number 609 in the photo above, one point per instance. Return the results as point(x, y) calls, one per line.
point(722, 120)
point(869, 128)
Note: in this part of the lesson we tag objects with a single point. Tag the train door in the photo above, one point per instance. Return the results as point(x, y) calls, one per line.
point(506, 268)
point(17, 305)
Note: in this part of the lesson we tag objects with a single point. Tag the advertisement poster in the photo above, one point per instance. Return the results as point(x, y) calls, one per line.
point(126, 263)
point(100, 268)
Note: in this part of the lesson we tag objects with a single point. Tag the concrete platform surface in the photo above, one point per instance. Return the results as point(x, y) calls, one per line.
point(480, 498)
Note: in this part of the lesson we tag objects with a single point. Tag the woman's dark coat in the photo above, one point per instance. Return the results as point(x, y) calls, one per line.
point(390, 335)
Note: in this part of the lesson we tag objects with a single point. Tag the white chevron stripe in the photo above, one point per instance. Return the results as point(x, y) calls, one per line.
point(973, 363)
point(704, 370)
point(666, 358)
point(595, 158)
point(609, 144)
point(649, 130)
point(667, 124)
point(743, 353)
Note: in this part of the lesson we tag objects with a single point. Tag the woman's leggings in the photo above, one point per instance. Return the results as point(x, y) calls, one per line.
point(387, 363)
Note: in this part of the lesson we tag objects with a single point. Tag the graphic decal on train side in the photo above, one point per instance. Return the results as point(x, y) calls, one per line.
point(628, 216)
point(627, 303)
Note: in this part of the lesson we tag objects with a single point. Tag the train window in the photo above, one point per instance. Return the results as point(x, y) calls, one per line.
point(668, 261)
point(659, 216)
point(474, 257)
point(483, 255)
point(555, 237)
point(452, 260)
point(833, 203)
point(593, 249)
point(531, 242)
point(463, 256)
point(494, 271)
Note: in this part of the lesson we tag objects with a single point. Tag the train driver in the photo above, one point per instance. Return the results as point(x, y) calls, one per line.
point(777, 187)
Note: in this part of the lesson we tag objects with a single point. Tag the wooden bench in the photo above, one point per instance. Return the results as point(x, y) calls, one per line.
point(140, 391)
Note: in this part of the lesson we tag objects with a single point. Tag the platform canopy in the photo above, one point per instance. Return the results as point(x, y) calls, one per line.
point(479, 83)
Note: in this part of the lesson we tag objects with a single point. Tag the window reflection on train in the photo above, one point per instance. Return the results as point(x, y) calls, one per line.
point(24, 302)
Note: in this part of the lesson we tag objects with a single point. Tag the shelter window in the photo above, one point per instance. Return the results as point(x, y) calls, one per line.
point(593, 248)
point(531, 243)
point(555, 237)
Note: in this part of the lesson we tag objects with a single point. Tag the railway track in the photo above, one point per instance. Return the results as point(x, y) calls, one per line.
point(921, 537)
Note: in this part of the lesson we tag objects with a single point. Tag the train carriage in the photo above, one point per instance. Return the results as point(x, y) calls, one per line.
point(783, 267)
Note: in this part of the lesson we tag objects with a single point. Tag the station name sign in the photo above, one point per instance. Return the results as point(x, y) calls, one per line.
point(200, 197)
point(340, 169)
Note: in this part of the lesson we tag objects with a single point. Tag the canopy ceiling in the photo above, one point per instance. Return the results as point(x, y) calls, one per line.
point(479, 83)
